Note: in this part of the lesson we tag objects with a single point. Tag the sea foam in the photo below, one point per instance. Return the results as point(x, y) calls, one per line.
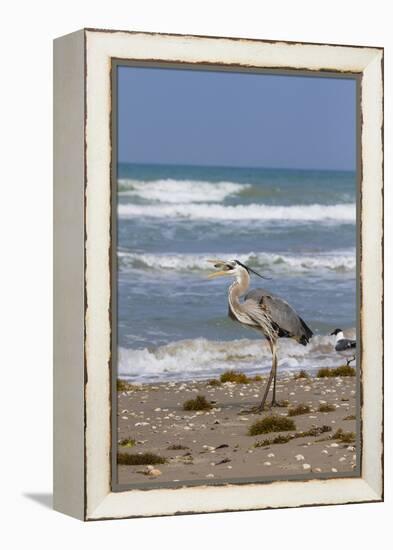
point(200, 358)
point(180, 191)
point(317, 213)
point(336, 260)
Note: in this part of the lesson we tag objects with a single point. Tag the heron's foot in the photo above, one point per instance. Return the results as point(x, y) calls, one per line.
point(252, 410)
point(281, 404)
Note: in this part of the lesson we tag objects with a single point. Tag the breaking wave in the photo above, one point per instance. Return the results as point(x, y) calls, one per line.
point(343, 261)
point(201, 358)
point(344, 213)
point(180, 191)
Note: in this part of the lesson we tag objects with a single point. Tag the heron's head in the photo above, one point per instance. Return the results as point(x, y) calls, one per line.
point(335, 332)
point(233, 268)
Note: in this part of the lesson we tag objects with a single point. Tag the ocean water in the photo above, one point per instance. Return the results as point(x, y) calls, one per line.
point(297, 227)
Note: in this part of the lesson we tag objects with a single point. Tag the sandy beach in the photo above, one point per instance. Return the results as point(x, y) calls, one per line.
point(215, 445)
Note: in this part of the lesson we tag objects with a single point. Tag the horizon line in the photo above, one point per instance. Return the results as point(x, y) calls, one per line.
point(170, 164)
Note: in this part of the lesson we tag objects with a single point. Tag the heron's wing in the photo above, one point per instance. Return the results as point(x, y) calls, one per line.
point(283, 317)
point(345, 344)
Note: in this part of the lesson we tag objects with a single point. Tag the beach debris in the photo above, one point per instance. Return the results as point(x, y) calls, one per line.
point(223, 461)
point(299, 457)
point(129, 459)
point(127, 442)
point(234, 377)
point(271, 423)
point(214, 382)
point(306, 466)
point(209, 475)
point(334, 469)
point(267, 463)
point(216, 422)
point(326, 407)
point(280, 439)
point(327, 372)
point(153, 472)
point(271, 455)
point(222, 446)
point(185, 459)
point(334, 445)
point(200, 403)
point(325, 452)
point(299, 409)
point(124, 386)
point(177, 447)
point(301, 374)
point(344, 437)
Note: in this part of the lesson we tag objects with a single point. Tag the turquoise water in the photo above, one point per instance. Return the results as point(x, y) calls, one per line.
point(297, 227)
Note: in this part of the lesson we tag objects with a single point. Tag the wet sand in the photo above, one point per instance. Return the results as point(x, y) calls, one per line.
point(215, 443)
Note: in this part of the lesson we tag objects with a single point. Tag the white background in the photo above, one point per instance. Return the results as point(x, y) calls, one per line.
point(28, 28)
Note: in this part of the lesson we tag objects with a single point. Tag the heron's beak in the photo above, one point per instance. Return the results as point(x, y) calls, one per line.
point(218, 264)
point(217, 274)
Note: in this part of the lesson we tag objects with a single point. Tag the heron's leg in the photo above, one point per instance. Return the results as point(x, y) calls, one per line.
point(274, 402)
point(271, 375)
point(349, 361)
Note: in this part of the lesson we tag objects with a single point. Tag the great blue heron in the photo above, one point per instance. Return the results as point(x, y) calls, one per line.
point(263, 311)
point(344, 346)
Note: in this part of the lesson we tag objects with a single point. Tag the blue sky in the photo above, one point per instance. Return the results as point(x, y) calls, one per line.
point(171, 116)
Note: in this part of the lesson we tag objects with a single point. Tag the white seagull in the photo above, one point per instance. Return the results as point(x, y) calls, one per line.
point(344, 346)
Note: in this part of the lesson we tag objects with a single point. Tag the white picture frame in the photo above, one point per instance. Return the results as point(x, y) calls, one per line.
point(82, 240)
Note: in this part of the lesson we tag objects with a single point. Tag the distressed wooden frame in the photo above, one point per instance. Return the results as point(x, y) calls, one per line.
point(82, 241)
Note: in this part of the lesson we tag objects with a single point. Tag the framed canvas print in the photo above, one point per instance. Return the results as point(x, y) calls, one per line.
point(218, 274)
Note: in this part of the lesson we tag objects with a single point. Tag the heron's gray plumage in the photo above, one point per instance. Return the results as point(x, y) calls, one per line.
point(283, 317)
point(260, 309)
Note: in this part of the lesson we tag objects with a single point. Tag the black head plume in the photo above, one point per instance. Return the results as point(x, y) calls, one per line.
point(335, 332)
point(252, 271)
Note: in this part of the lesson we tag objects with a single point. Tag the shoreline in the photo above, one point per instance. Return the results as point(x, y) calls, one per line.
point(214, 444)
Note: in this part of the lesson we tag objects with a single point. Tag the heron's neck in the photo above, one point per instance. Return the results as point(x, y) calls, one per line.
point(339, 336)
point(239, 287)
